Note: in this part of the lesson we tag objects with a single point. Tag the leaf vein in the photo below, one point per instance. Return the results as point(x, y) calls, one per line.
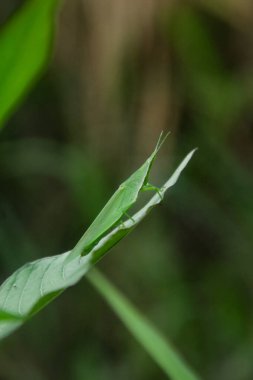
point(44, 275)
point(32, 265)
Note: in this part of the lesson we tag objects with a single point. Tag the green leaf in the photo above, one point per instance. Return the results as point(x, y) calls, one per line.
point(147, 335)
point(25, 43)
point(35, 284)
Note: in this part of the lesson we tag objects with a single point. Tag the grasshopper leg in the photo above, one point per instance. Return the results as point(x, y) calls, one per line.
point(129, 216)
point(149, 187)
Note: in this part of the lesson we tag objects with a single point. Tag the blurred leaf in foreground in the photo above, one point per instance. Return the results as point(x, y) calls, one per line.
point(24, 47)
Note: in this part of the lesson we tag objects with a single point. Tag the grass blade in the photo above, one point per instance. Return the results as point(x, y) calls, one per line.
point(147, 335)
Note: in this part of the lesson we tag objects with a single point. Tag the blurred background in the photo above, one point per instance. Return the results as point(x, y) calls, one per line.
point(121, 72)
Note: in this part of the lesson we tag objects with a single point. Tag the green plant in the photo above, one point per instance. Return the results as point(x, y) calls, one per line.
point(35, 284)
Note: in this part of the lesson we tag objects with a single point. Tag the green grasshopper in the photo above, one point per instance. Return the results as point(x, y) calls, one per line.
point(118, 204)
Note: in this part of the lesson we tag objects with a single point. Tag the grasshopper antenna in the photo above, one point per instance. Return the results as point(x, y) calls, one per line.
point(161, 140)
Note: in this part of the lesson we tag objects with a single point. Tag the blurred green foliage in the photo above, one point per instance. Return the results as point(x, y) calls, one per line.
point(121, 73)
point(24, 45)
